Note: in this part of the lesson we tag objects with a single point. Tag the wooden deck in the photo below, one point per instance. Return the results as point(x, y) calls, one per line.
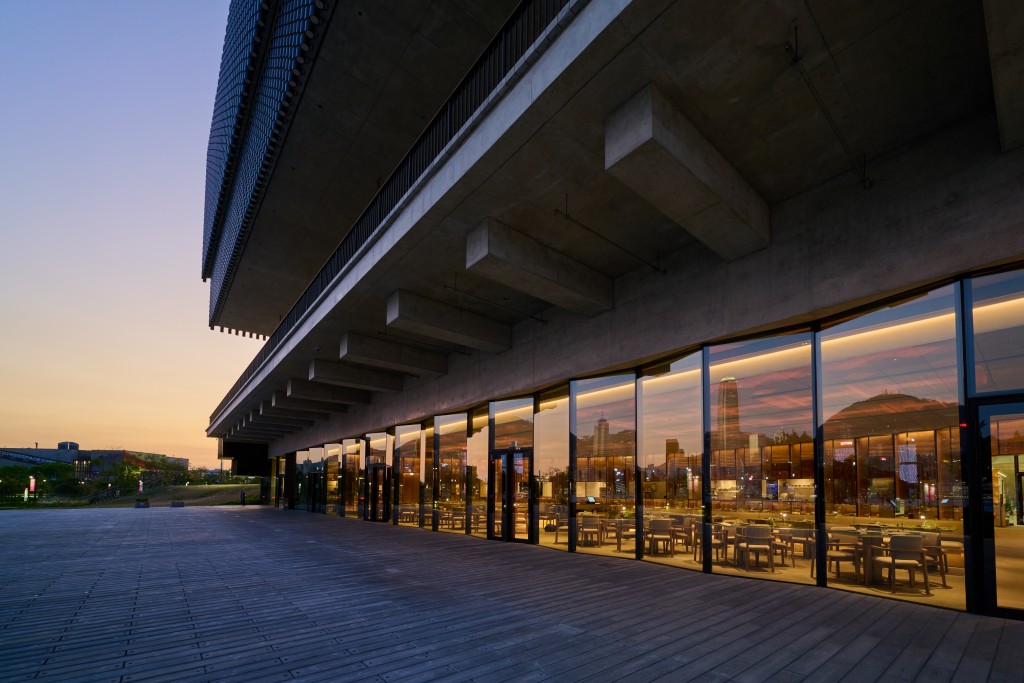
point(250, 594)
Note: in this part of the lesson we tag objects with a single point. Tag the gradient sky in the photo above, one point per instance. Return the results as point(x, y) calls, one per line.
point(103, 315)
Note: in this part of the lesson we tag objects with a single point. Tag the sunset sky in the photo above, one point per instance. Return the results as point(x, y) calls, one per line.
point(103, 315)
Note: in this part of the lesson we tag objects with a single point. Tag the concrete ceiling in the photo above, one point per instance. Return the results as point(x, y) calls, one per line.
point(871, 78)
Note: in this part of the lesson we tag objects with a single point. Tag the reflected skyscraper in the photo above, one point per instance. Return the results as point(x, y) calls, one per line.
point(728, 422)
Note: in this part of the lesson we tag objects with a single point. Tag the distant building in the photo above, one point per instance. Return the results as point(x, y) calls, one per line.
point(87, 464)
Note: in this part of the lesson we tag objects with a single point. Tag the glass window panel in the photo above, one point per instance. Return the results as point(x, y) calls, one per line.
point(890, 410)
point(352, 474)
point(331, 471)
point(476, 470)
point(407, 472)
point(1007, 451)
point(452, 459)
point(551, 466)
point(998, 317)
point(512, 425)
point(605, 458)
point(761, 434)
point(378, 492)
point(671, 445)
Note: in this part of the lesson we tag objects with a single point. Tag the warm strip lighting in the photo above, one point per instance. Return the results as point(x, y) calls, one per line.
point(669, 382)
point(450, 424)
point(917, 332)
point(1001, 315)
point(790, 356)
point(625, 390)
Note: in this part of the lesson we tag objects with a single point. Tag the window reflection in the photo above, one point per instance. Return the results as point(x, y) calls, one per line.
point(762, 457)
point(998, 320)
point(890, 408)
point(605, 437)
point(352, 474)
point(476, 470)
point(551, 466)
point(671, 445)
point(511, 423)
point(452, 459)
point(407, 473)
point(331, 477)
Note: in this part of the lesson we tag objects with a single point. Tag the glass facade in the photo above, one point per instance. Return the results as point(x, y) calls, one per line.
point(762, 454)
point(451, 495)
point(603, 432)
point(352, 477)
point(551, 466)
point(879, 453)
point(332, 466)
point(671, 447)
point(890, 404)
point(510, 462)
point(477, 443)
point(409, 474)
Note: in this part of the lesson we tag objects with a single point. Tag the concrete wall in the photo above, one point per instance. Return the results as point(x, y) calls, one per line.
point(951, 204)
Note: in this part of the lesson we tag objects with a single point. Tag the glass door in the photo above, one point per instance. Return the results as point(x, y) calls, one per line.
point(378, 493)
point(509, 515)
point(1001, 431)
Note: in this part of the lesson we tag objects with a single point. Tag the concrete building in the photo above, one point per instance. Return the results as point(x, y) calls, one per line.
point(636, 278)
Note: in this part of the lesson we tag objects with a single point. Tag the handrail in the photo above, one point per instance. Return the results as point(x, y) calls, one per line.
point(528, 23)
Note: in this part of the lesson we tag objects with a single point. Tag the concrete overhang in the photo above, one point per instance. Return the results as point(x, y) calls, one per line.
point(867, 82)
point(381, 73)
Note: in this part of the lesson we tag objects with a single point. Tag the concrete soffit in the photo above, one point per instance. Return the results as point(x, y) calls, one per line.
point(654, 150)
point(1004, 24)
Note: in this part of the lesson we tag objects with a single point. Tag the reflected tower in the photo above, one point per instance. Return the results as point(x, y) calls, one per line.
point(728, 422)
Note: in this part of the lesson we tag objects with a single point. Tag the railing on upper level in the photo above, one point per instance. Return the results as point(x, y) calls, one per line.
point(527, 24)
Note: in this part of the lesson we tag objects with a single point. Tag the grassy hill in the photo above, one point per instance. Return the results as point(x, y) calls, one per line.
point(208, 494)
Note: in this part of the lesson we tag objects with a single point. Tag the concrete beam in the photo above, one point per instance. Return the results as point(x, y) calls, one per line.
point(253, 432)
point(410, 312)
point(655, 151)
point(247, 426)
point(344, 375)
point(280, 400)
point(499, 253)
point(1004, 22)
point(268, 420)
point(389, 355)
point(268, 408)
point(311, 391)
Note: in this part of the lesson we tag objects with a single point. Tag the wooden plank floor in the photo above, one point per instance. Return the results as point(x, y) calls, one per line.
point(250, 594)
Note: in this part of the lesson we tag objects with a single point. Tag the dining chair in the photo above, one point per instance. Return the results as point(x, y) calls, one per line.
point(906, 551)
point(933, 551)
point(841, 549)
point(661, 535)
point(757, 539)
point(589, 531)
